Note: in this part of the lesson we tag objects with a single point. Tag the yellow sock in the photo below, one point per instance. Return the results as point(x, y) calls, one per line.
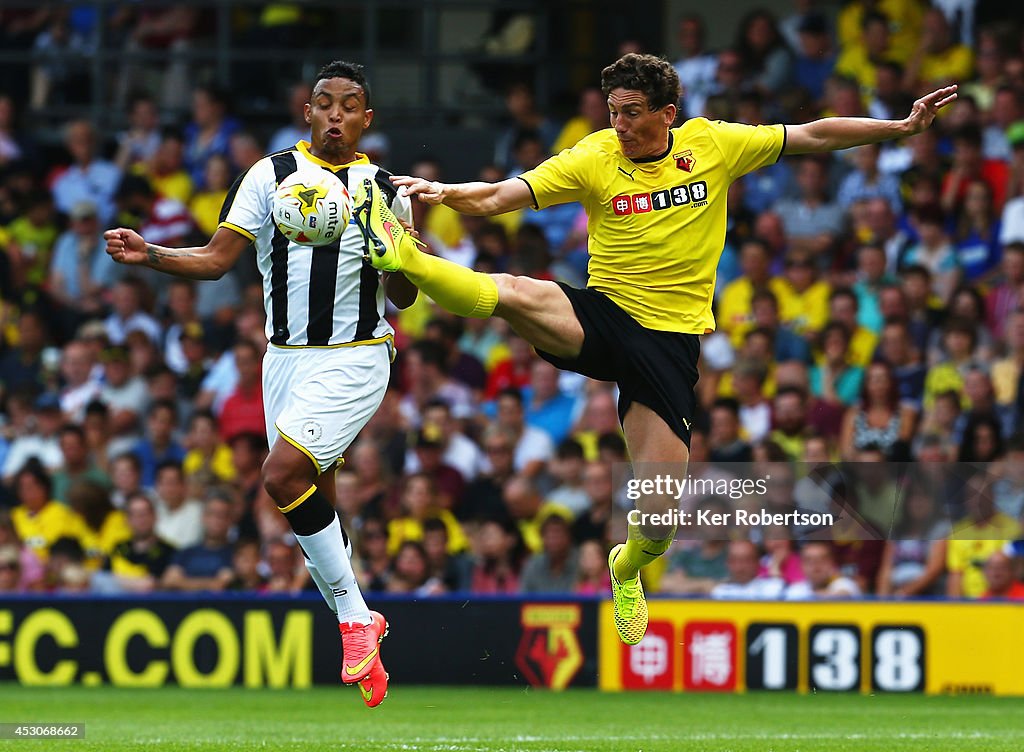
point(455, 288)
point(638, 553)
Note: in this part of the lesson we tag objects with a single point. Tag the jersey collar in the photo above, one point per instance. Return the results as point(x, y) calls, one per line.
point(303, 148)
point(656, 157)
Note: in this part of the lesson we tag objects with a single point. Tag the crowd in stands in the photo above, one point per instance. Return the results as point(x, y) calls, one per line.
point(869, 303)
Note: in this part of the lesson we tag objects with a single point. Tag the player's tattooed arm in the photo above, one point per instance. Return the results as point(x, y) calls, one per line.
point(155, 253)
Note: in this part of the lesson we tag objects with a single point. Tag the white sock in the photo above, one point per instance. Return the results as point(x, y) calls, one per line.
point(326, 550)
point(325, 589)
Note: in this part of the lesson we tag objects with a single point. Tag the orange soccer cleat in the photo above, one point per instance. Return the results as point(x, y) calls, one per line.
point(361, 646)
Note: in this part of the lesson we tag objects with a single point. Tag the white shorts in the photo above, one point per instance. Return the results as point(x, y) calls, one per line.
point(319, 399)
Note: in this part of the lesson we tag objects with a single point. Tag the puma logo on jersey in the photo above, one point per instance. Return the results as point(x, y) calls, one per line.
point(628, 174)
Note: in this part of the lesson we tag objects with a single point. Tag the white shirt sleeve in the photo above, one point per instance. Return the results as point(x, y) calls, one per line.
point(247, 207)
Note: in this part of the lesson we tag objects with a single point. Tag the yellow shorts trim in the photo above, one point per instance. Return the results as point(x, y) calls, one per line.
point(375, 341)
point(290, 507)
point(299, 446)
point(240, 230)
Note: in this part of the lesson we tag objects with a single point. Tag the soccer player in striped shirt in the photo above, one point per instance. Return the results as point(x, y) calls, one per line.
point(655, 198)
point(328, 362)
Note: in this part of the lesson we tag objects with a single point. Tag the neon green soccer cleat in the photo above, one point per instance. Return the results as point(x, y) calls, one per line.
point(630, 604)
point(383, 234)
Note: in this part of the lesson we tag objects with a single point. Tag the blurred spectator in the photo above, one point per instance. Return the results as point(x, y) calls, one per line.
point(743, 581)
point(554, 568)
point(844, 308)
point(38, 519)
point(285, 572)
point(459, 451)
point(934, 252)
point(724, 441)
point(206, 204)
point(428, 444)
point(77, 464)
point(128, 313)
point(209, 132)
point(765, 58)
point(426, 374)
point(812, 222)
point(81, 385)
point(822, 579)
point(244, 150)
point(165, 171)
point(169, 30)
point(1000, 581)
point(39, 441)
point(30, 241)
point(88, 178)
point(243, 410)
point(984, 531)
point(866, 181)
point(451, 570)
point(101, 527)
point(780, 561)
point(14, 146)
point(696, 66)
point(497, 561)
point(483, 499)
point(206, 565)
point(1003, 297)
point(160, 219)
point(807, 307)
point(297, 129)
point(245, 568)
point(815, 58)
point(139, 562)
point(697, 566)
point(124, 395)
point(533, 447)
point(140, 141)
point(208, 460)
point(462, 367)
point(178, 516)
point(126, 477)
point(59, 53)
point(594, 523)
point(592, 116)
point(420, 503)
point(372, 560)
point(159, 445)
point(410, 572)
point(914, 561)
point(81, 270)
point(879, 418)
point(938, 60)
point(592, 577)
point(872, 47)
point(1005, 111)
point(567, 468)
point(547, 406)
point(10, 569)
point(969, 164)
point(735, 310)
point(521, 108)
point(977, 234)
point(512, 371)
point(22, 367)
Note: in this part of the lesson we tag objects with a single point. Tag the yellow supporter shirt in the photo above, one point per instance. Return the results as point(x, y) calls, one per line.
point(735, 309)
point(572, 133)
point(205, 209)
point(971, 543)
point(410, 529)
point(805, 311)
point(99, 544)
point(905, 17)
point(657, 225)
point(955, 64)
point(221, 465)
point(39, 531)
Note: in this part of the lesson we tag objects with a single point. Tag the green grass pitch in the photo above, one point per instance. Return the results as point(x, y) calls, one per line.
point(479, 719)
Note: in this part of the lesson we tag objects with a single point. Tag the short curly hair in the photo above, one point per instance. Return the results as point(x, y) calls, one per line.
point(652, 75)
point(342, 69)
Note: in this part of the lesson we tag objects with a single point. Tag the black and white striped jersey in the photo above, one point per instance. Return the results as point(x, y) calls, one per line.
point(315, 297)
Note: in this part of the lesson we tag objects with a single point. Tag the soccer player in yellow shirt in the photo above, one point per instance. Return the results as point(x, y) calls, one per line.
point(655, 197)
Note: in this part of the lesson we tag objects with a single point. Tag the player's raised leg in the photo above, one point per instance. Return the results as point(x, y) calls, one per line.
point(652, 444)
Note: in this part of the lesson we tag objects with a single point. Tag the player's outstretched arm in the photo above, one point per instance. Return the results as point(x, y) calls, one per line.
point(830, 134)
point(477, 199)
point(211, 261)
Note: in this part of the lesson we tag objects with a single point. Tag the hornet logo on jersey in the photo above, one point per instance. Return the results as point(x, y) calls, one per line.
point(685, 161)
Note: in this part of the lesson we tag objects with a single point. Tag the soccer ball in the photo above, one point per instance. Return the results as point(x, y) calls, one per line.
point(311, 209)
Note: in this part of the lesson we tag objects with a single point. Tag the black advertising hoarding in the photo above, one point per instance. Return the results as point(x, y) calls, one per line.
point(291, 642)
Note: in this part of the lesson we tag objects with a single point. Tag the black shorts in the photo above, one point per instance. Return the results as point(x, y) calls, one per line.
point(656, 369)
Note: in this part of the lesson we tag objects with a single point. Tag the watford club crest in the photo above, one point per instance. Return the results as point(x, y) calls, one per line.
point(685, 161)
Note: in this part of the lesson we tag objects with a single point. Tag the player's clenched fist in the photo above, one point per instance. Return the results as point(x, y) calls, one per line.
point(125, 246)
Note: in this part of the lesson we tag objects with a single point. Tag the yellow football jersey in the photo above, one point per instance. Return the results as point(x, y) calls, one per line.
point(657, 225)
